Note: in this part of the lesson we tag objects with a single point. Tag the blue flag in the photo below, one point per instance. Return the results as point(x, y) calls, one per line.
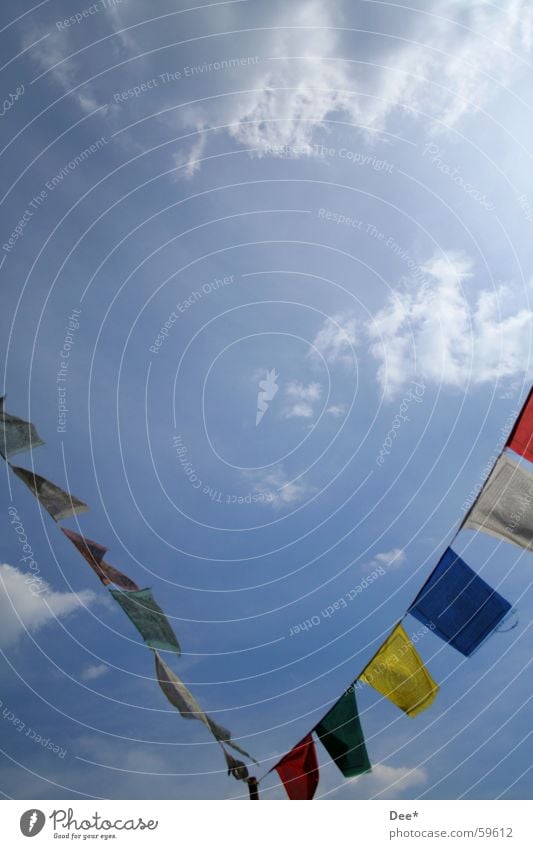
point(458, 605)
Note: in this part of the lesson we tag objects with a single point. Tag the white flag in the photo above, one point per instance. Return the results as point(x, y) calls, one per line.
point(504, 507)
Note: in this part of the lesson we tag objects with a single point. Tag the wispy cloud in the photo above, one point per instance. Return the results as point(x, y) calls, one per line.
point(336, 339)
point(302, 398)
point(395, 557)
point(94, 671)
point(436, 72)
point(29, 606)
point(386, 782)
point(279, 489)
point(336, 410)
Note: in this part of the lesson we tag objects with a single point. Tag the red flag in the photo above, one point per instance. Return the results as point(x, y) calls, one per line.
point(299, 770)
point(521, 436)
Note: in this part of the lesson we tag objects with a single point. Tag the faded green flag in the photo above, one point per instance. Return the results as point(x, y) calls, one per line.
point(56, 501)
point(341, 735)
point(16, 435)
point(181, 697)
point(148, 618)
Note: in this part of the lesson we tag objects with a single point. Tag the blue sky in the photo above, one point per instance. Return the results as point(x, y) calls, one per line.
point(337, 192)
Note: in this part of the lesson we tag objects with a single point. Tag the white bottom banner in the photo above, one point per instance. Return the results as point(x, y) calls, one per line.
point(272, 824)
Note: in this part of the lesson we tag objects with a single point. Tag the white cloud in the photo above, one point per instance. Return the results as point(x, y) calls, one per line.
point(385, 782)
point(189, 163)
point(437, 66)
point(395, 557)
point(435, 333)
point(336, 339)
point(441, 68)
point(303, 392)
point(293, 89)
point(302, 399)
point(336, 410)
point(301, 410)
point(28, 605)
point(303, 80)
point(388, 781)
point(94, 671)
point(48, 56)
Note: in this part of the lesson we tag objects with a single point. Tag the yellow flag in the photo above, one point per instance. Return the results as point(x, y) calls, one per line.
point(398, 672)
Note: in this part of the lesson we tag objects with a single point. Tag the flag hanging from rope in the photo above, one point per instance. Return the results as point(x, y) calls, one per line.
point(94, 553)
point(143, 610)
point(56, 501)
point(16, 435)
point(398, 672)
point(458, 605)
point(341, 735)
point(298, 770)
point(181, 698)
point(521, 436)
point(504, 507)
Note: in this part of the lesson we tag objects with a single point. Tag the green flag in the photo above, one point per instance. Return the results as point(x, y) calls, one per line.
point(148, 618)
point(16, 435)
point(341, 735)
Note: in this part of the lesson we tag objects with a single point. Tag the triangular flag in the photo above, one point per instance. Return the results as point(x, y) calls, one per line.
point(181, 698)
point(341, 735)
point(143, 610)
point(504, 507)
point(16, 435)
point(458, 605)
point(298, 770)
point(398, 672)
point(521, 436)
point(56, 501)
point(93, 553)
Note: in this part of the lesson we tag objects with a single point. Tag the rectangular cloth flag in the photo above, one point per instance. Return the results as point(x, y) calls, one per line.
point(16, 435)
point(143, 610)
point(298, 770)
point(458, 605)
point(521, 436)
point(341, 735)
point(397, 671)
point(56, 501)
point(93, 553)
point(504, 507)
point(181, 698)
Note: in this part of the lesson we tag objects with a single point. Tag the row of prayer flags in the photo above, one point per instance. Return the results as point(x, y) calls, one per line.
point(458, 606)
point(454, 602)
point(341, 734)
point(17, 435)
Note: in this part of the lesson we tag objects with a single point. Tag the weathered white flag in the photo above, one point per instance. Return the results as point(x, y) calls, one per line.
point(504, 507)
